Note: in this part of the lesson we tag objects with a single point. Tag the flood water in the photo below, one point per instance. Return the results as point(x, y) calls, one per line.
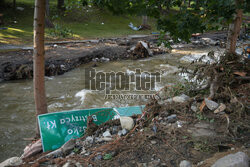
point(68, 92)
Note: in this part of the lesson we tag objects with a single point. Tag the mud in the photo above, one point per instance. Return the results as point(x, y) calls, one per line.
point(61, 57)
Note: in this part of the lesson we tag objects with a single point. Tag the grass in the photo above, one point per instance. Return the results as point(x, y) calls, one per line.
point(85, 23)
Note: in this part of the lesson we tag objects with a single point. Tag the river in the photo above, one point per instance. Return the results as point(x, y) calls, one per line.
point(68, 92)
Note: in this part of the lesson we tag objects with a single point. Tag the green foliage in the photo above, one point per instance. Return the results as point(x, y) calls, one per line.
point(178, 18)
point(60, 32)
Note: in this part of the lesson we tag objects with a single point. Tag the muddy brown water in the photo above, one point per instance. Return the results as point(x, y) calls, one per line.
point(67, 92)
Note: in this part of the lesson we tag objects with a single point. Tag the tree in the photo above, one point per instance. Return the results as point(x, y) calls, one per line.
point(38, 59)
point(183, 18)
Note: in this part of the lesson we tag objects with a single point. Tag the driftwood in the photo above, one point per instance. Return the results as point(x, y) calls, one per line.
point(32, 149)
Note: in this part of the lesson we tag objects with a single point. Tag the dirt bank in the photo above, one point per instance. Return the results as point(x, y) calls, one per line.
point(61, 57)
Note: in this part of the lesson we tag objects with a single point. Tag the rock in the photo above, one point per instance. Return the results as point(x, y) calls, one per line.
point(83, 151)
point(78, 164)
point(32, 149)
point(202, 129)
point(239, 159)
point(172, 118)
point(106, 134)
point(115, 129)
point(211, 104)
point(67, 164)
point(14, 161)
point(194, 108)
point(221, 108)
point(127, 123)
point(181, 99)
point(89, 139)
point(153, 142)
point(124, 132)
point(119, 133)
point(185, 163)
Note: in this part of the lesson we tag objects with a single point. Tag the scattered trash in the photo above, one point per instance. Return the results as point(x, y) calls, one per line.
point(221, 108)
point(133, 27)
point(107, 156)
point(20, 8)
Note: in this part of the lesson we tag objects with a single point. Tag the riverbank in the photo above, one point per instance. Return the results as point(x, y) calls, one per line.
point(64, 56)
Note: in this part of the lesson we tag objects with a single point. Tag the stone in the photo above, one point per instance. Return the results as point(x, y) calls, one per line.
point(124, 132)
point(202, 129)
point(89, 139)
point(106, 134)
point(239, 159)
point(181, 99)
point(153, 142)
point(211, 105)
point(127, 123)
point(67, 164)
point(78, 164)
point(83, 151)
point(172, 118)
point(115, 129)
point(194, 108)
point(120, 133)
point(14, 161)
point(185, 163)
point(221, 108)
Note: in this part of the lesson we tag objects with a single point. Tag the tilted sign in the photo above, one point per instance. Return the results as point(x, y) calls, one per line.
point(59, 127)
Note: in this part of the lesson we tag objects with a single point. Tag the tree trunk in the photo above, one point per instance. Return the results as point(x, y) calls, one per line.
point(38, 59)
point(60, 4)
point(48, 23)
point(47, 8)
point(234, 31)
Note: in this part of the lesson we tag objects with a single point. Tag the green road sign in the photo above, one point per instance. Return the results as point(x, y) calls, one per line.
point(59, 127)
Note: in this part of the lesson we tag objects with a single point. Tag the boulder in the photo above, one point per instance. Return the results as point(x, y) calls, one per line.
point(239, 159)
point(127, 123)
